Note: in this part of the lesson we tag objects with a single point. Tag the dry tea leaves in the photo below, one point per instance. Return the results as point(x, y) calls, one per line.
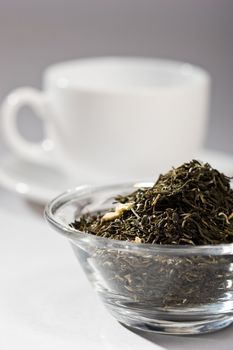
point(166, 281)
point(189, 205)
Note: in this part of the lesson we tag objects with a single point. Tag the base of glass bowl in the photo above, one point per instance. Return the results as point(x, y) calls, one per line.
point(179, 326)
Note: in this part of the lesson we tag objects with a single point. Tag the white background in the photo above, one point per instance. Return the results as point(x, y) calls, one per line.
point(36, 33)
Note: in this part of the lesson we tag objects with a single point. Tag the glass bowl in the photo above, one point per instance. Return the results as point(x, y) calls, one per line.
point(166, 289)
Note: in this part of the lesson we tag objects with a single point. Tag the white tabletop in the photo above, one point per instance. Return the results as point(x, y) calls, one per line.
point(46, 301)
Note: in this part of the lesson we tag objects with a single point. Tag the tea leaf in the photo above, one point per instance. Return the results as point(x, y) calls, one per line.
point(191, 204)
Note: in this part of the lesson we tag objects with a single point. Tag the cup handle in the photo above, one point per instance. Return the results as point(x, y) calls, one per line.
point(31, 151)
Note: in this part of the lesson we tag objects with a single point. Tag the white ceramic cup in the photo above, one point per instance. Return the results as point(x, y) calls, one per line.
point(123, 117)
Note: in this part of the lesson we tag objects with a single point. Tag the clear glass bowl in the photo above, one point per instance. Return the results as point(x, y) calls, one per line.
point(166, 289)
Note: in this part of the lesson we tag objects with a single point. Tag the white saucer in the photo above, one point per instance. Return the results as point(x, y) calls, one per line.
point(41, 184)
point(30, 180)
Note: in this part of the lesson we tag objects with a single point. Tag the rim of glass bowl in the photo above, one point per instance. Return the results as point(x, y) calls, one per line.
point(81, 191)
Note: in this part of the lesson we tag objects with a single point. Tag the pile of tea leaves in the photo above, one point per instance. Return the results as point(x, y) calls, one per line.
point(190, 205)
